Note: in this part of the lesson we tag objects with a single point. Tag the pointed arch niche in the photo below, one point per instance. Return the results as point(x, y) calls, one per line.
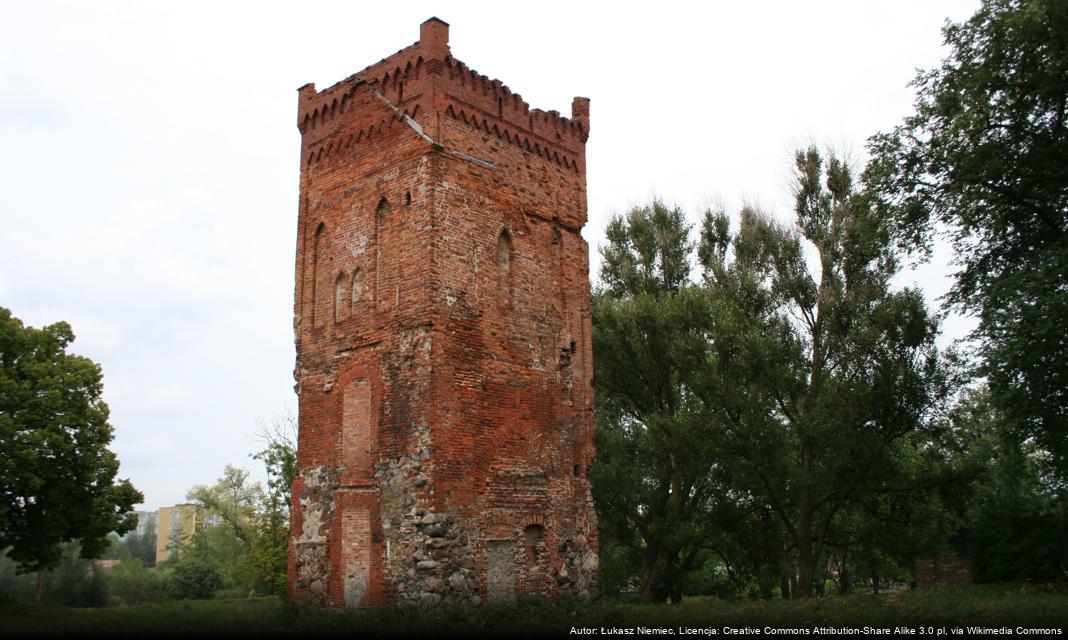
point(341, 297)
point(505, 258)
point(381, 212)
point(317, 240)
point(356, 290)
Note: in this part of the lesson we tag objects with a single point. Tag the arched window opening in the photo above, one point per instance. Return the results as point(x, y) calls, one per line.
point(504, 268)
point(379, 293)
point(316, 241)
point(340, 299)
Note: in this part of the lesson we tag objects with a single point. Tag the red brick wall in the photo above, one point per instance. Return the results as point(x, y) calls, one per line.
point(943, 571)
point(357, 416)
point(355, 553)
point(442, 326)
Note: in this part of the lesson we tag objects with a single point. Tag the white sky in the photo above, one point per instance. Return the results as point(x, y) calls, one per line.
point(149, 162)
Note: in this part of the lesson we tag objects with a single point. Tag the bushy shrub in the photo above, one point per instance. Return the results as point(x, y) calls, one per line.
point(130, 583)
point(193, 579)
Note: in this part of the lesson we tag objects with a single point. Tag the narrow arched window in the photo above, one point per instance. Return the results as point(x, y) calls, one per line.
point(316, 241)
point(381, 256)
point(341, 305)
point(357, 288)
point(504, 268)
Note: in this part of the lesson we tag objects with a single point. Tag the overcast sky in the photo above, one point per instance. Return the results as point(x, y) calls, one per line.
point(149, 162)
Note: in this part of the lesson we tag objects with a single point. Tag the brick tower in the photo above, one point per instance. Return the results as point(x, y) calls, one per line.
point(442, 321)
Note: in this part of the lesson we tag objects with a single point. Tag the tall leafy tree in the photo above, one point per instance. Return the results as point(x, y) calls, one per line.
point(267, 558)
point(248, 546)
point(279, 458)
point(653, 479)
point(226, 548)
point(57, 475)
point(983, 161)
point(831, 368)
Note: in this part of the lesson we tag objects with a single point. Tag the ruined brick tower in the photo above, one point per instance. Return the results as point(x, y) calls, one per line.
point(442, 320)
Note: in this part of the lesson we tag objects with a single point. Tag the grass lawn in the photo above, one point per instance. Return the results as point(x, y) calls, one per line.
point(927, 612)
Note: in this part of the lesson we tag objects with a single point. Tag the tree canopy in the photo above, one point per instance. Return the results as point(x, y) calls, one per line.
point(249, 545)
point(233, 499)
point(785, 391)
point(831, 368)
point(653, 480)
point(57, 475)
point(983, 162)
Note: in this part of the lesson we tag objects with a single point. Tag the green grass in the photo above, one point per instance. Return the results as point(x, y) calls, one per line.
point(990, 606)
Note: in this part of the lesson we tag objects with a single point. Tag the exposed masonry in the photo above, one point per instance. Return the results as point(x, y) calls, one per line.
point(442, 328)
point(310, 542)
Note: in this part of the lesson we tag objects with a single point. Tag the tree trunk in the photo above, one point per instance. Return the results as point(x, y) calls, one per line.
point(805, 575)
point(766, 584)
point(40, 587)
point(676, 590)
point(843, 579)
point(785, 572)
point(806, 563)
point(652, 566)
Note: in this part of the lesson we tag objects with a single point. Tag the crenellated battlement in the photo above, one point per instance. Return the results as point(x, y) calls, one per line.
point(316, 108)
point(494, 96)
point(327, 146)
point(423, 80)
point(537, 145)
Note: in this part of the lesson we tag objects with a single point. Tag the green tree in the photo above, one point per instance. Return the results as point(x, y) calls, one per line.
point(279, 458)
point(235, 503)
point(878, 536)
point(267, 557)
point(983, 161)
point(1014, 521)
point(653, 479)
point(825, 371)
point(143, 546)
point(266, 561)
point(194, 578)
point(249, 545)
point(134, 545)
point(233, 499)
point(218, 548)
point(57, 475)
point(130, 583)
